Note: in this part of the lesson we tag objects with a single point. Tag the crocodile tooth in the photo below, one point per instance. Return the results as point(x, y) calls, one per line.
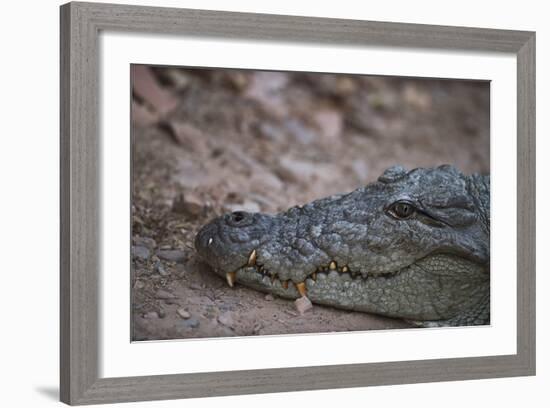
point(332, 265)
point(252, 258)
point(231, 277)
point(284, 284)
point(301, 288)
point(345, 269)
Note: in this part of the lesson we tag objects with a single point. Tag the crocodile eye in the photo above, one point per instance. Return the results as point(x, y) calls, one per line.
point(401, 210)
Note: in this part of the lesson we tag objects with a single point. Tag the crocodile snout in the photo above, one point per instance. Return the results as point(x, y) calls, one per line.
point(204, 238)
point(226, 242)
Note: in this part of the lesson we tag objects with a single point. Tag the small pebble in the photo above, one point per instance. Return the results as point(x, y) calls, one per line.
point(269, 297)
point(147, 242)
point(140, 252)
point(192, 322)
point(146, 271)
point(139, 285)
point(171, 255)
point(189, 204)
point(248, 206)
point(151, 315)
point(184, 314)
point(226, 319)
point(159, 267)
point(163, 294)
point(303, 304)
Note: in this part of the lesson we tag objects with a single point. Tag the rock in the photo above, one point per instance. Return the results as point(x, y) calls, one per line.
point(176, 78)
point(171, 255)
point(151, 315)
point(189, 175)
point(142, 116)
point(257, 328)
point(139, 285)
point(270, 132)
point(188, 204)
point(185, 134)
point(184, 314)
point(269, 297)
point(360, 169)
point(302, 133)
point(164, 294)
point(345, 85)
point(381, 101)
point(147, 242)
point(330, 123)
point(303, 304)
point(226, 319)
point(146, 86)
point(265, 181)
point(237, 79)
point(143, 272)
point(249, 206)
point(192, 323)
point(266, 88)
point(417, 98)
point(140, 252)
point(262, 199)
point(161, 313)
point(159, 267)
point(293, 170)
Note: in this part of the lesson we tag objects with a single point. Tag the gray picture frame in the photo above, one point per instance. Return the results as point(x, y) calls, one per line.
point(81, 24)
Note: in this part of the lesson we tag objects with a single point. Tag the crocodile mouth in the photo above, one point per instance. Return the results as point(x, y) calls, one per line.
point(330, 271)
point(404, 293)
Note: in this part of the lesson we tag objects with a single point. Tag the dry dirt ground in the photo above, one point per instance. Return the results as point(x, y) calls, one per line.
point(205, 142)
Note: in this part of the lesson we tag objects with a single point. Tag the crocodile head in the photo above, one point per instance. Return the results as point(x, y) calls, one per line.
point(413, 244)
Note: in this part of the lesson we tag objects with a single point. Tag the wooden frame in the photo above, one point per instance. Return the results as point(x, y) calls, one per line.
point(80, 234)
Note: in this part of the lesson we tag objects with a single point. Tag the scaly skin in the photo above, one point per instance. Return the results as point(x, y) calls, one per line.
point(413, 245)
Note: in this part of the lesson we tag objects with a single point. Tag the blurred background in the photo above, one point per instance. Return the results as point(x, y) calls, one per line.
point(208, 141)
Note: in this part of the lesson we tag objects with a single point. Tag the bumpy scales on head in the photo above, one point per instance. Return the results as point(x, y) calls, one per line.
point(413, 245)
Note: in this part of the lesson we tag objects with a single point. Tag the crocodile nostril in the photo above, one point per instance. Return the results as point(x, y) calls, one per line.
point(238, 216)
point(239, 219)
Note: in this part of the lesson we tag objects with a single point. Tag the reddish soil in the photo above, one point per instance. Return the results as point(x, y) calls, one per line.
point(210, 141)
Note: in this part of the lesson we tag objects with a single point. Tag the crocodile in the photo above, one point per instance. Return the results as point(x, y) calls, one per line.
point(412, 245)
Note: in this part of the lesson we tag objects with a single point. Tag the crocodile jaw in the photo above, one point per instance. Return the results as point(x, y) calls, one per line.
point(460, 284)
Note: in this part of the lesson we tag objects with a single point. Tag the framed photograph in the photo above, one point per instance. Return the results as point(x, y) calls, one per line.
point(276, 192)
